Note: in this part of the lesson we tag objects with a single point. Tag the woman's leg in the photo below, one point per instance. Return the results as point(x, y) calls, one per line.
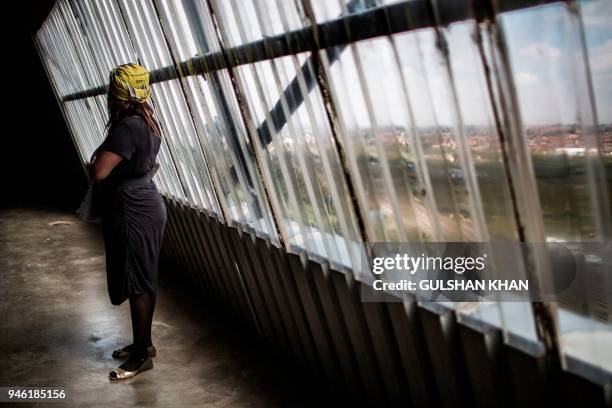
point(148, 339)
point(141, 308)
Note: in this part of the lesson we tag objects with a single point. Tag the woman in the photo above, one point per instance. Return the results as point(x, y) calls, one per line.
point(132, 211)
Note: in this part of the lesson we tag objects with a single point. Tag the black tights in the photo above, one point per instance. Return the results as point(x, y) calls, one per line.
point(141, 309)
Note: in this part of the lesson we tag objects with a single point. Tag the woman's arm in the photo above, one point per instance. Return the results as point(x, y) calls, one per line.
point(103, 163)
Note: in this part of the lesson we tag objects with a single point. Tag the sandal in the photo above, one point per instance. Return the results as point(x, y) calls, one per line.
point(125, 352)
point(121, 374)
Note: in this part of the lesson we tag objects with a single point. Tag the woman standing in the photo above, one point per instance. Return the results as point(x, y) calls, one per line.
point(132, 210)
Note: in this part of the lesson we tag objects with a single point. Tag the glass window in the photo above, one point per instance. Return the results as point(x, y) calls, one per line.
point(425, 155)
point(183, 147)
point(295, 144)
point(556, 53)
point(218, 123)
point(253, 20)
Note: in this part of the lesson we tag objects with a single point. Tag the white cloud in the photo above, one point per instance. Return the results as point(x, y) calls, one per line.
point(540, 50)
point(526, 78)
point(597, 14)
point(601, 57)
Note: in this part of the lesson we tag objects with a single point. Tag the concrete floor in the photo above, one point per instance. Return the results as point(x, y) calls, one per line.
point(58, 328)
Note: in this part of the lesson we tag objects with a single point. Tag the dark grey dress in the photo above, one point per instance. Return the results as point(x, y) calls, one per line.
point(134, 217)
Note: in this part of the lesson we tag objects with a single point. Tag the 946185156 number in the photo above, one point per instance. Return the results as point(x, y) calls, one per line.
point(30, 394)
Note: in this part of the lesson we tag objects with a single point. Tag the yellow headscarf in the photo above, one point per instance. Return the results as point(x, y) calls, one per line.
point(130, 82)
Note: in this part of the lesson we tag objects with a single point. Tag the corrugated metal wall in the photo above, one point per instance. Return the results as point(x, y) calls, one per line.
point(298, 133)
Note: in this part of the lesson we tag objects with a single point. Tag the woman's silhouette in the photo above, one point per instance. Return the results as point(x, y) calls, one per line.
point(132, 210)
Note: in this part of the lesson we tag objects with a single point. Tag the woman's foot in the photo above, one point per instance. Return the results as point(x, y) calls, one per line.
point(133, 365)
point(126, 351)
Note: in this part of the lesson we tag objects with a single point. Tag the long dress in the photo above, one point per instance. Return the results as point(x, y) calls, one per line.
point(134, 217)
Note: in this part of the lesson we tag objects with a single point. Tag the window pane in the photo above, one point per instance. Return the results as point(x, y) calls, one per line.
point(294, 140)
point(563, 127)
point(218, 123)
point(183, 147)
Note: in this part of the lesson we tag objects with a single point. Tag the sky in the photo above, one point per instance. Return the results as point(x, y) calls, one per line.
point(547, 59)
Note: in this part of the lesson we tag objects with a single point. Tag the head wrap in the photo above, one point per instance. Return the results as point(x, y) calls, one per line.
point(130, 82)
